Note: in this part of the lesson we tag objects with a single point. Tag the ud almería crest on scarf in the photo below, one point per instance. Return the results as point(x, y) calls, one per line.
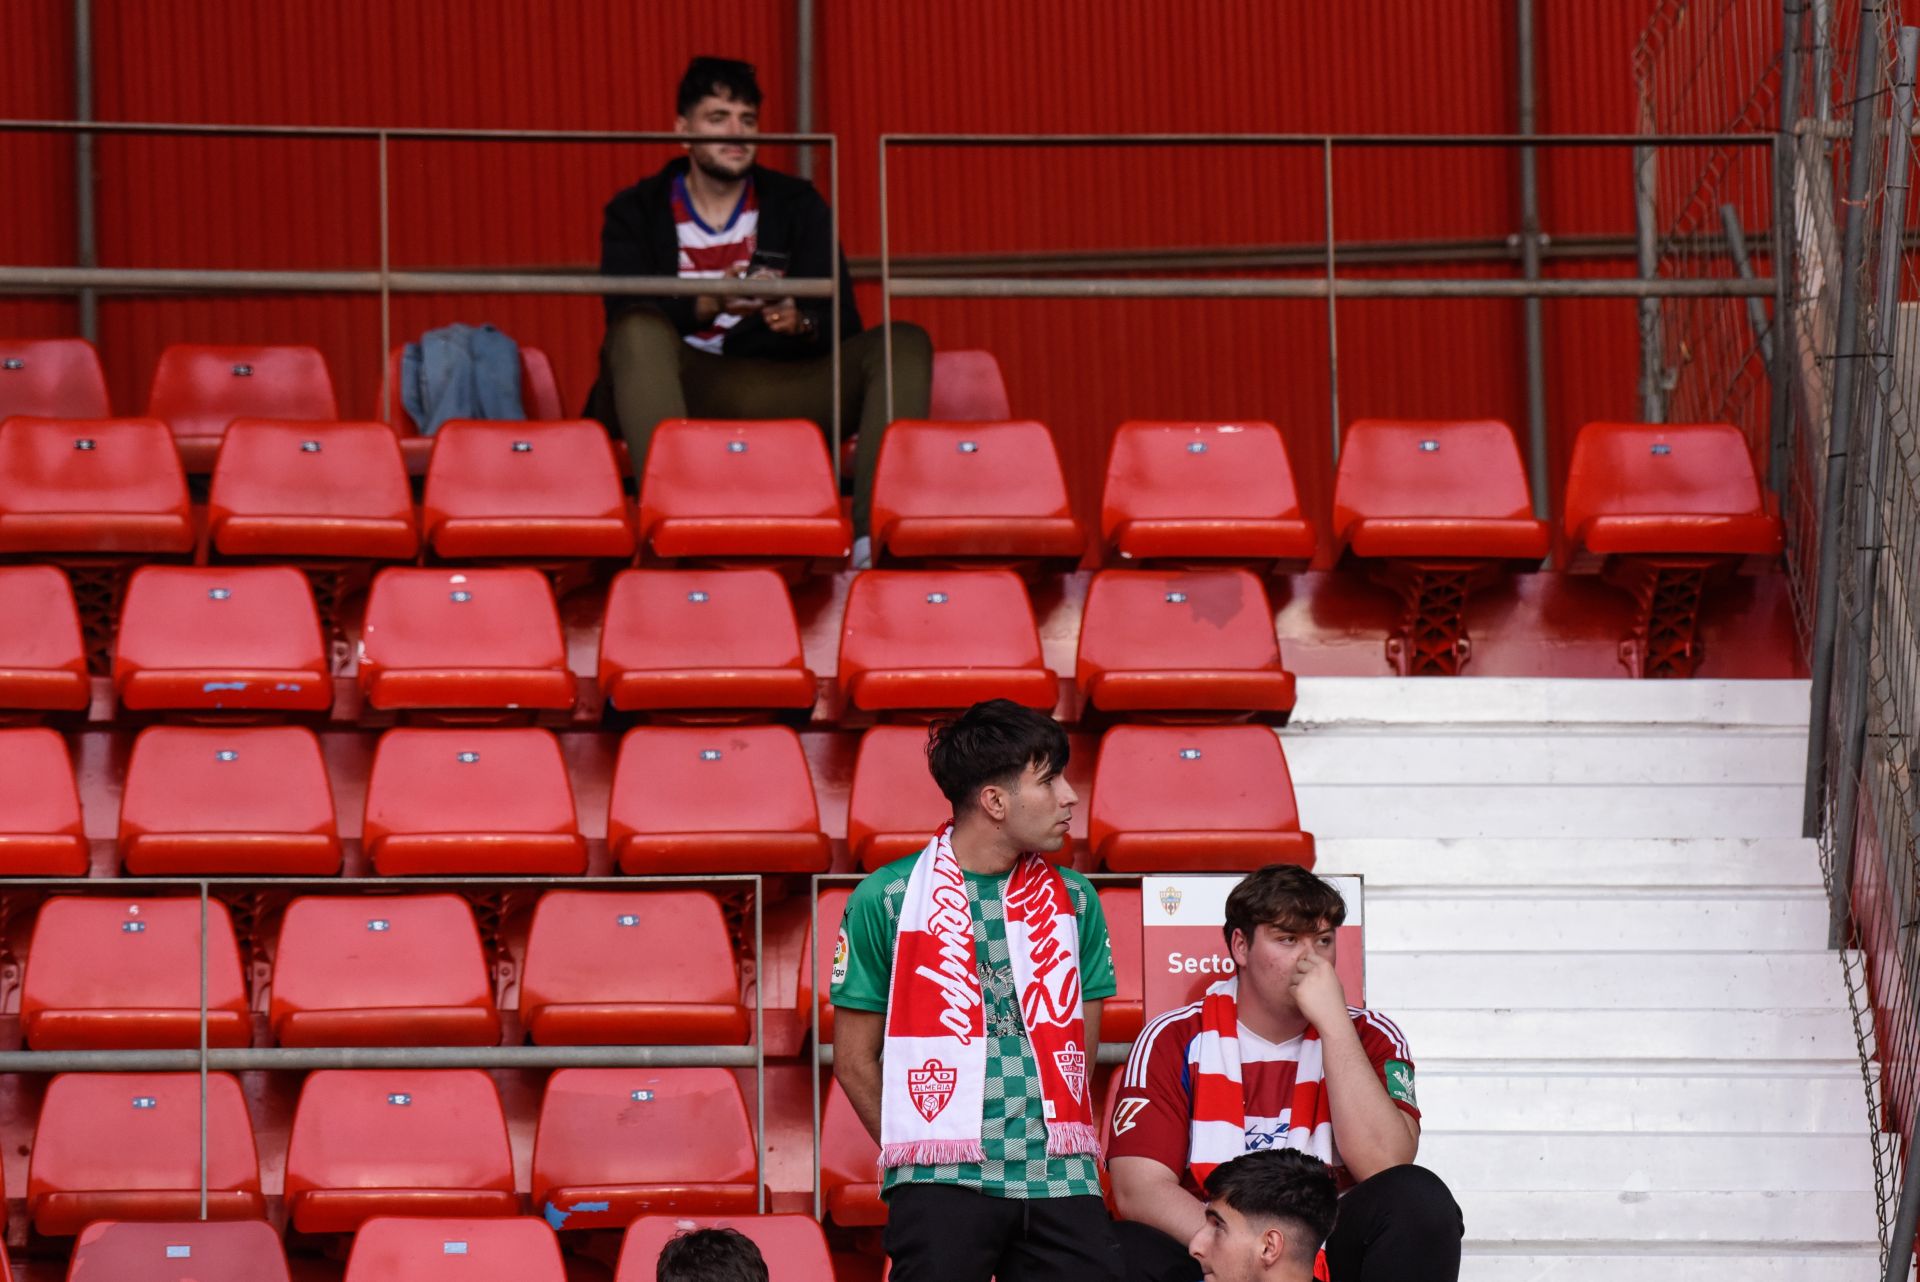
point(931, 1086)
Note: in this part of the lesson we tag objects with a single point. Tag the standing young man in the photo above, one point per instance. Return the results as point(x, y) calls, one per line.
point(716, 213)
point(968, 980)
point(1266, 1215)
point(1275, 1058)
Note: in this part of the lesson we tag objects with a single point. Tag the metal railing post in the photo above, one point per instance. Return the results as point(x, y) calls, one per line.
point(1538, 474)
point(812, 962)
point(1906, 1218)
point(834, 305)
point(1333, 314)
point(886, 283)
point(85, 229)
point(1781, 369)
point(803, 54)
point(1846, 363)
point(1743, 265)
point(1647, 251)
point(759, 1047)
point(387, 390)
point(203, 1050)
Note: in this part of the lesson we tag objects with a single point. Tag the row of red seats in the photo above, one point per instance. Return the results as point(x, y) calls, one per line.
point(256, 800)
point(428, 1249)
point(199, 389)
point(601, 968)
point(249, 637)
point(610, 1145)
point(1185, 491)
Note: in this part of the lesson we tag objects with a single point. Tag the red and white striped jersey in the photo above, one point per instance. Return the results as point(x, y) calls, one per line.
point(707, 252)
point(1153, 1115)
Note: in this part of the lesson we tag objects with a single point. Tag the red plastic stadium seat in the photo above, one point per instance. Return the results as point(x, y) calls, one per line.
point(126, 1146)
point(741, 489)
point(1121, 1014)
point(849, 1165)
point(124, 974)
point(471, 801)
point(1685, 489)
point(615, 1143)
point(515, 1249)
point(642, 968)
point(1198, 640)
point(678, 639)
point(107, 485)
point(893, 805)
point(51, 378)
point(178, 1251)
point(200, 389)
point(972, 490)
point(42, 663)
point(220, 637)
point(968, 387)
point(421, 1142)
point(234, 800)
point(539, 391)
point(941, 639)
point(40, 827)
point(714, 799)
point(833, 908)
point(399, 970)
point(311, 490)
point(525, 489)
point(437, 638)
point(1194, 799)
point(1203, 491)
point(1435, 490)
point(794, 1241)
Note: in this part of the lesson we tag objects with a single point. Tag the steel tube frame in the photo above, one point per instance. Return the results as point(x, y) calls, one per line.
point(1320, 287)
point(1781, 371)
point(85, 228)
point(1743, 265)
point(399, 282)
point(1906, 1218)
point(803, 30)
point(1647, 253)
point(1531, 319)
point(1846, 363)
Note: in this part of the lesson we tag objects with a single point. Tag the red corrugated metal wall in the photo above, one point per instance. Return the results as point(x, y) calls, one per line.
point(961, 65)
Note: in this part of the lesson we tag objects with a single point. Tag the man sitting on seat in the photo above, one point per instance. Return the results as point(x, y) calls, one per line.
point(1266, 1215)
point(1275, 1058)
point(715, 213)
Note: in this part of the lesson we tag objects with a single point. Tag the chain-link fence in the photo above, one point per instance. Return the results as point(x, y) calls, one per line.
point(1828, 392)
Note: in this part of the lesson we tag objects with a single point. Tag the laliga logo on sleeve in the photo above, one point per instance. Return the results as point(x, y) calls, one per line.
point(1072, 1063)
point(931, 1086)
point(840, 959)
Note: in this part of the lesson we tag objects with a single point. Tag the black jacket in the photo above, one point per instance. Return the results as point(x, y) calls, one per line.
point(638, 239)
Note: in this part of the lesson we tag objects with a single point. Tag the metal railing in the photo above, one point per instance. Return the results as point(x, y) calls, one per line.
point(205, 1059)
point(1330, 285)
point(88, 281)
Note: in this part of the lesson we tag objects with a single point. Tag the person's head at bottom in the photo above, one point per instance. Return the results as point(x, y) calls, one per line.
point(1267, 1214)
point(710, 1255)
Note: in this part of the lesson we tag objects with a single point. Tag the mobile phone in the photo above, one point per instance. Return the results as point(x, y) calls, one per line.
point(767, 262)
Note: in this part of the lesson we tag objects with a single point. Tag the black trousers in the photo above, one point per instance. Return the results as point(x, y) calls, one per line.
point(945, 1233)
point(1400, 1226)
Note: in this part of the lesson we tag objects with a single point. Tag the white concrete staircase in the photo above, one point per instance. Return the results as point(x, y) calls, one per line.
point(1589, 909)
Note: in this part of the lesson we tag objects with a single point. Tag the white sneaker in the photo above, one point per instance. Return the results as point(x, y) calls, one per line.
point(863, 553)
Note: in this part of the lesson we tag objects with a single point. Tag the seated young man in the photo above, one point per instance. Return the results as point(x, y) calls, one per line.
point(1275, 1058)
point(716, 213)
point(1266, 1215)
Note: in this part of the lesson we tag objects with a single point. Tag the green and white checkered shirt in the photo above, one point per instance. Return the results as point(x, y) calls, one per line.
point(1013, 1129)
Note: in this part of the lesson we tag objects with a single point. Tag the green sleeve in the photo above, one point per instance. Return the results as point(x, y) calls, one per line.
point(863, 955)
point(1096, 950)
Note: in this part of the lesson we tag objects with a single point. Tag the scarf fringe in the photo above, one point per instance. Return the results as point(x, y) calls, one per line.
point(935, 1153)
point(1064, 1139)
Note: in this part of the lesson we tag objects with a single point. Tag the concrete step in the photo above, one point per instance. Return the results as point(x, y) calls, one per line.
point(1403, 981)
point(1346, 702)
point(1438, 919)
point(1400, 757)
point(1460, 863)
point(1621, 1262)
point(1493, 1035)
point(1384, 809)
point(1807, 1102)
point(1649, 1162)
point(1782, 1218)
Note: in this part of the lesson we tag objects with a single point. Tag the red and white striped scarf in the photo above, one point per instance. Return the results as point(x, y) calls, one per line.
point(1218, 1132)
point(933, 1066)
